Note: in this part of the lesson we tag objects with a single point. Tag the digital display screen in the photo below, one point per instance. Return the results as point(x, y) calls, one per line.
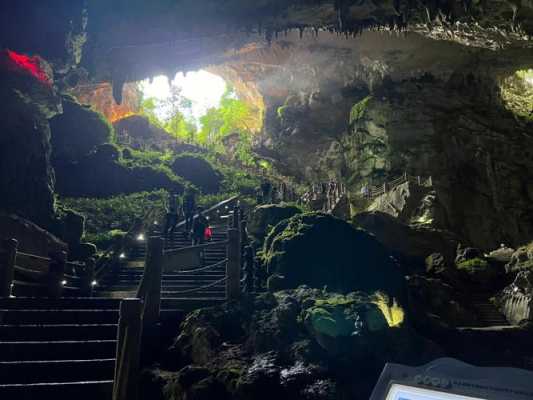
point(402, 392)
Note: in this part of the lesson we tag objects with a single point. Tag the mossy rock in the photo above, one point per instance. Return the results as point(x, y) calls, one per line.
point(78, 131)
point(480, 271)
point(269, 215)
point(199, 172)
point(320, 250)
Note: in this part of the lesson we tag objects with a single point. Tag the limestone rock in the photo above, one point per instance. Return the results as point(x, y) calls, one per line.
point(31, 238)
point(320, 250)
point(28, 100)
point(138, 133)
point(199, 172)
point(411, 241)
point(521, 260)
point(435, 304)
point(267, 216)
point(100, 174)
point(77, 131)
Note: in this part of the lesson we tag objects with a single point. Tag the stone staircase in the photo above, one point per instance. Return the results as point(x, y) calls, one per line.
point(489, 317)
point(57, 348)
point(180, 290)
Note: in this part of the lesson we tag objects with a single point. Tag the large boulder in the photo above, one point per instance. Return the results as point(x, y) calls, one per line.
point(31, 238)
point(28, 100)
point(293, 344)
point(269, 215)
point(101, 174)
point(320, 250)
point(77, 131)
point(521, 260)
point(411, 241)
point(138, 133)
point(199, 172)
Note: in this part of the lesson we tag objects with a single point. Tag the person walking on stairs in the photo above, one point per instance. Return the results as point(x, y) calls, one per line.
point(199, 226)
point(172, 214)
point(189, 206)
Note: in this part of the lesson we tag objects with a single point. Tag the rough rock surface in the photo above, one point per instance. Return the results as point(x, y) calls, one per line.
point(100, 174)
point(417, 241)
point(288, 345)
point(31, 238)
point(199, 172)
point(138, 133)
point(320, 250)
point(521, 260)
point(26, 177)
point(267, 216)
point(77, 131)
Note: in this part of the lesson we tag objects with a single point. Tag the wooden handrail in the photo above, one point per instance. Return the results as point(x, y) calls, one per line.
point(197, 246)
point(150, 287)
point(127, 363)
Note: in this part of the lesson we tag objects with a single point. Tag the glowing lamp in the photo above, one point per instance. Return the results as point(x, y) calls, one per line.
point(63, 283)
point(140, 237)
point(122, 256)
point(94, 283)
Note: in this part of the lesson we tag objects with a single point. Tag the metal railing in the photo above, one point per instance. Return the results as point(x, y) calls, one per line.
point(143, 312)
point(372, 192)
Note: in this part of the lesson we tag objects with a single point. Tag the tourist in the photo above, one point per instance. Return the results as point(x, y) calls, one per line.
point(172, 214)
point(189, 205)
point(198, 228)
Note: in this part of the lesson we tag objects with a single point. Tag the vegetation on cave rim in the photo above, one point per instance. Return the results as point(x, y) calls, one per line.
point(233, 118)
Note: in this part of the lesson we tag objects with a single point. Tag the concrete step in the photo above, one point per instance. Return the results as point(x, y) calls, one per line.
point(57, 350)
point(86, 390)
point(58, 332)
point(29, 372)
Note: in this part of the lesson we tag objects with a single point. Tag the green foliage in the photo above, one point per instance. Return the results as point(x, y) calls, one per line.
point(472, 265)
point(517, 93)
point(281, 111)
point(358, 110)
point(106, 218)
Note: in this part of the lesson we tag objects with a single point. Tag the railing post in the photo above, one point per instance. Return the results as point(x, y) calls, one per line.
point(419, 180)
point(233, 268)
point(87, 278)
point(125, 386)
point(384, 187)
point(150, 287)
point(7, 266)
point(430, 181)
point(56, 275)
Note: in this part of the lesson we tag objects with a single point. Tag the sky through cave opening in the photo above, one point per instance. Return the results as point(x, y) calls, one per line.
point(192, 93)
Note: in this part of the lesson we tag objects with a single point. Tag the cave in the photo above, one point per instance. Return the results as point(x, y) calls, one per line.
point(240, 200)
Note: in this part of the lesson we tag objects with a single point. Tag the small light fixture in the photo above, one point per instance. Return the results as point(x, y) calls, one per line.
point(122, 256)
point(207, 218)
point(94, 283)
point(515, 289)
point(156, 223)
point(63, 283)
point(140, 237)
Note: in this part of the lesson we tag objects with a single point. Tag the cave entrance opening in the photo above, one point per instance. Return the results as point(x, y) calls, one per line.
point(200, 108)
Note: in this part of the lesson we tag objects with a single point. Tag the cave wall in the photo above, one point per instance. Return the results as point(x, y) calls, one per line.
point(370, 110)
point(26, 176)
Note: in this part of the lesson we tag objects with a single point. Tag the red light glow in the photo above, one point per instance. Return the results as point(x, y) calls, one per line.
point(29, 65)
